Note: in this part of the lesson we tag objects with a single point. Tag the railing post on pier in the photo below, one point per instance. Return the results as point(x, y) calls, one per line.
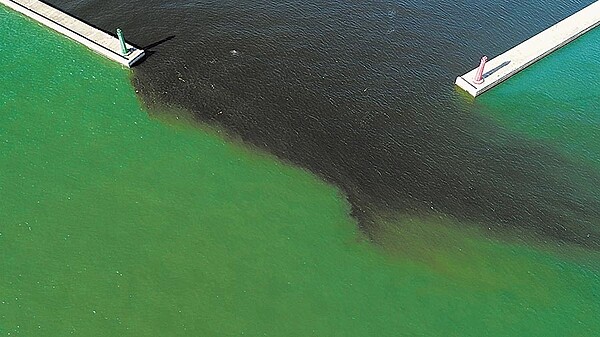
point(124, 49)
point(479, 76)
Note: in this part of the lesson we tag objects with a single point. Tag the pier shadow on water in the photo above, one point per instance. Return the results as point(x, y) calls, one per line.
point(149, 49)
point(361, 95)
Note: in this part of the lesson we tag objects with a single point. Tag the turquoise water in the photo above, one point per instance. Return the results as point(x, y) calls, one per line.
point(116, 224)
point(555, 101)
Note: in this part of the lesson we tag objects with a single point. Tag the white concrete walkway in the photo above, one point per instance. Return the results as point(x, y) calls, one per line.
point(77, 30)
point(511, 62)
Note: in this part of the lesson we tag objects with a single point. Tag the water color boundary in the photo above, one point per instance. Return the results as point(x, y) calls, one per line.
point(91, 37)
point(520, 57)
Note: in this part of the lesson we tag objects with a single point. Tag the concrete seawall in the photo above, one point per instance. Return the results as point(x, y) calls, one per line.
point(520, 57)
point(93, 38)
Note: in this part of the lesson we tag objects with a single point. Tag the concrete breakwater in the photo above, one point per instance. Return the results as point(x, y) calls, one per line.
point(91, 37)
point(502, 67)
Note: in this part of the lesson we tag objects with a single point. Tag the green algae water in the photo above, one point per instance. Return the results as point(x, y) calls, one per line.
point(556, 100)
point(115, 224)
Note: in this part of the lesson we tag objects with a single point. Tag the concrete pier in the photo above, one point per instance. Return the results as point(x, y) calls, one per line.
point(520, 57)
point(93, 38)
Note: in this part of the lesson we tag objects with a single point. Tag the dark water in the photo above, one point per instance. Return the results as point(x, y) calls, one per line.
point(362, 94)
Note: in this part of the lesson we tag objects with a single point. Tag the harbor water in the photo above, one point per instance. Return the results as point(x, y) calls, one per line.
point(298, 169)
